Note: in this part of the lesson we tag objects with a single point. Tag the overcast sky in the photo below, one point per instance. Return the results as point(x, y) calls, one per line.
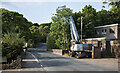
point(41, 11)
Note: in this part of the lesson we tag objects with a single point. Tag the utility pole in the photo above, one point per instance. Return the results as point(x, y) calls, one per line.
point(81, 27)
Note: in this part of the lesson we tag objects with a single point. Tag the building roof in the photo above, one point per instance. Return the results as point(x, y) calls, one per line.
point(106, 26)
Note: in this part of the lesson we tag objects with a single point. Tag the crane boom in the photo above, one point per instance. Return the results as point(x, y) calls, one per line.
point(74, 33)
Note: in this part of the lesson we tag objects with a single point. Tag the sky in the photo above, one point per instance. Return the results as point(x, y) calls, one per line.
point(41, 11)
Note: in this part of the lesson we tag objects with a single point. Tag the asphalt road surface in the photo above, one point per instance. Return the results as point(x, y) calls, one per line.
point(38, 59)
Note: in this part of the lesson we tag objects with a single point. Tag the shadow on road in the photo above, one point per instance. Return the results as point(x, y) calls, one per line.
point(29, 61)
point(45, 58)
point(55, 63)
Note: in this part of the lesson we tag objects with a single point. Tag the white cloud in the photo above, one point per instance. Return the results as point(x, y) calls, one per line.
point(52, 0)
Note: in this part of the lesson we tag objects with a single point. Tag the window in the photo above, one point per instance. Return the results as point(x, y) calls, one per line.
point(112, 30)
point(104, 31)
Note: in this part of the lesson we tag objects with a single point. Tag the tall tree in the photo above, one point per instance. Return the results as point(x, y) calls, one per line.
point(44, 30)
point(15, 22)
point(89, 20)
point(60, 27)
point(115, 10)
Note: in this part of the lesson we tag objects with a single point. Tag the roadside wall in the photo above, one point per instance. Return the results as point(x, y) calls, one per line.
point(56, 51)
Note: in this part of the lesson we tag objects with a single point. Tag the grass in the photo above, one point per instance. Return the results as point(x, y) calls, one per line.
point(66, 55)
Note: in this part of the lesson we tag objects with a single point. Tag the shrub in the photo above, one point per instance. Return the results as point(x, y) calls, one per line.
point(12, 45)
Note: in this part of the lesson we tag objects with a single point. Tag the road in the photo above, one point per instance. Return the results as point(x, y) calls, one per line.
point(37, 59)
point(43, 60)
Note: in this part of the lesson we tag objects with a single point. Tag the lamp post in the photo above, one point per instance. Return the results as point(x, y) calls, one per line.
point(81, 27)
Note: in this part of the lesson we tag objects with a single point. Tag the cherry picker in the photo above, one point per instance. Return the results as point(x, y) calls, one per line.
point(78, 49)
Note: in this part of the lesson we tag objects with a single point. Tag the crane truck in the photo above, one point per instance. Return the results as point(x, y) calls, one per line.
point(78, 49)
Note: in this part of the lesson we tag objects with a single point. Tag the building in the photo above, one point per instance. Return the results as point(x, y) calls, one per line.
point(105, 37)
point(107, 32)
point(111, 32)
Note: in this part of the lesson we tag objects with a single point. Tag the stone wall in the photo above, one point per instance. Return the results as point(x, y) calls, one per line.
point(56, 51)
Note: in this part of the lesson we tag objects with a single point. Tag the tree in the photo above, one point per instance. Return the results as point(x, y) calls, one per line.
point(36, 24)
point(44, 30)
point(60, 27)
point(51, 41)
point(89, 21)
point(16, 30)
point(15, 22)
point(115, 10)
point(35, 35)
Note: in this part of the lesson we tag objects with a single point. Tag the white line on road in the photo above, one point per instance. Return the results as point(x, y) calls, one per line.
point(38, 61)
point(34, 57)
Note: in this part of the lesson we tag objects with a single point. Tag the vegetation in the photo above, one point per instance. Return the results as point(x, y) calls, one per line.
point(59, 35)
point(66, 55)
point(44, 29)
point(11, 48)
point(16, 30)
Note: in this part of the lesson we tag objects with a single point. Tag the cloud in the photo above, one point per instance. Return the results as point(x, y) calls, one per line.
point(51, 0)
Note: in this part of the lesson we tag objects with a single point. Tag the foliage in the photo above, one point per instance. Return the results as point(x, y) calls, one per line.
point(35, 36)
point(115, 10)
point(60, 28)
point(15, 22)
point(16, 30)
point(66, 55)
point(104, 39)
point(12, 45)
point(51, 41)
point(89, 21)
point(44, 30)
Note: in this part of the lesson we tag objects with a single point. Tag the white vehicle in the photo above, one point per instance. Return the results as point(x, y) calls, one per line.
point(77, 48)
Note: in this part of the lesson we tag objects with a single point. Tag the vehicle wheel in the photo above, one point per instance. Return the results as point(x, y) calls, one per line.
point(77, 56)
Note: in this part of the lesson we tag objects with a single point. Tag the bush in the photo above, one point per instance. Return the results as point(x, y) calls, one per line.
point(51, 41)
point(12, 45)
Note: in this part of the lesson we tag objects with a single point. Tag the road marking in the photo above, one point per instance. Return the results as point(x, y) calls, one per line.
point(28, 60)
point(34, 57)
point(38, 62)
